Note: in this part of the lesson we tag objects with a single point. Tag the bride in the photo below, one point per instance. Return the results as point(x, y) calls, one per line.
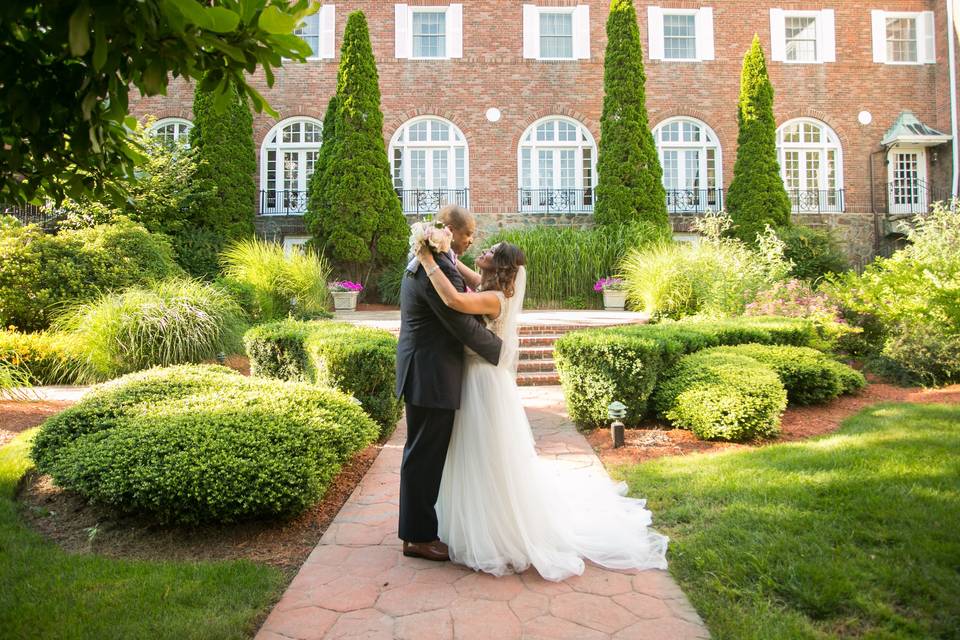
point(501, 508)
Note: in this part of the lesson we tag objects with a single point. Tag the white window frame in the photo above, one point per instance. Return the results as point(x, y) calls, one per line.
point(926, 36)
point(403, 30)
point(830, 141)
point(289, 242)
point(710, 140)
point(457, 140)
point(181, 134)
point(825, 30)
point(703, 33)
point(580, 28)
point(325, 23)
point(280, 147)
point(534, 145)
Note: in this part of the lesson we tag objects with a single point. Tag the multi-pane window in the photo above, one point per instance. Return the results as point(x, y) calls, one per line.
point(172, 131)
point(287, 160)
point(556, 35)
point(811, 165)
point(679, 37)
point(801, 38)
point(902, 40)
point(429, 165)
point(556, 166)
point(429, 34)
point(690, 155)
point(309, 30)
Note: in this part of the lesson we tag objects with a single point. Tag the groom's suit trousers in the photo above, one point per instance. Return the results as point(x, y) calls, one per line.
point(428, 436)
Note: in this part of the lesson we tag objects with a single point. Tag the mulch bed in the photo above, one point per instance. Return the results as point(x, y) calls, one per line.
point(656, 439)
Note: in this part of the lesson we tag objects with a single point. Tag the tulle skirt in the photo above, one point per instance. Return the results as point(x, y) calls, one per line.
point(502, 509)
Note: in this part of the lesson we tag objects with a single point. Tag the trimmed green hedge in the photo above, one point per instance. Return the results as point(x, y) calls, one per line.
point(357, 360)
point(47, 358)
point(201, 443)
point(809, 376)
point(598, 366)
point(722, 396)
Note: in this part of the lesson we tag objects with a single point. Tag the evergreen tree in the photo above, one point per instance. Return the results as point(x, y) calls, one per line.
point(318, 215)
point(756, 196)
point(226, 157)
point(366, 224)
point(630, 183)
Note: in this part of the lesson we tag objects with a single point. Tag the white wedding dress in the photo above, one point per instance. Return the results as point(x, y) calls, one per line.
point(502, 509)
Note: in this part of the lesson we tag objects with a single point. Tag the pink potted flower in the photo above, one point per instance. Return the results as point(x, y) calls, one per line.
point(344, 294)
point(614, 293)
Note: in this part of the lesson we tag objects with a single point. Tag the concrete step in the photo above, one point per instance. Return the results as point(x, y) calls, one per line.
point(541, 352)
point(538, 379)
point(536, 366)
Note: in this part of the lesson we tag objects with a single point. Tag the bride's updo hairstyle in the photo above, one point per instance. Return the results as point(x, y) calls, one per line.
point(507, 260)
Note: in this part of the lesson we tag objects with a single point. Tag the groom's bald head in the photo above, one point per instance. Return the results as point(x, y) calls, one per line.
point(461, 223)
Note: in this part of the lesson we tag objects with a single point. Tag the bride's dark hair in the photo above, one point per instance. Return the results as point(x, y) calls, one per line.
point(507, 260)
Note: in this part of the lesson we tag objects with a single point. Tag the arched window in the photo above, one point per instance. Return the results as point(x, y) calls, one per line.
point(811, 163)
point(172, 131)
point(287, 158)
point(556, 162)
point(692, 165)
point(430, 165)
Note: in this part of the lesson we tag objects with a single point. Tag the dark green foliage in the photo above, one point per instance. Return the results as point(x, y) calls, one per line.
point(598, 366)
point(319, 217)
point(364, 227)
point(40, 272)
point(203, 444)
point(226, 157)
point(756, 196)
point(69, 67)
point(47, 358)
point(198, 250)
point(630, 179)
point(356, 360)
point(809, 376)
point(388, 284)
point(722, 396)
point(814, 252)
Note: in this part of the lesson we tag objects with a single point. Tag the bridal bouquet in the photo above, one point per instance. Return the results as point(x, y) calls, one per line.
point(435, 234)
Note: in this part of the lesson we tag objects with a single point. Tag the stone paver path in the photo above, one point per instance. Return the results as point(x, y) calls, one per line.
point(357, 584)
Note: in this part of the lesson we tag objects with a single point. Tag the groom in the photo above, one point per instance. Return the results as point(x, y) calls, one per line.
point(429, 371)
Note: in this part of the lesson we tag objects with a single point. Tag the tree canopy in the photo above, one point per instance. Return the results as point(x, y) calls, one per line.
point(67, 66)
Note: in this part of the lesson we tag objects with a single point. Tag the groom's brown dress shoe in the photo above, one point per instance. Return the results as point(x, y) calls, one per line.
point(435, 550)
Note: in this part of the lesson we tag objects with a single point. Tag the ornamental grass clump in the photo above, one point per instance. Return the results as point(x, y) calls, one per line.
point(170, 322)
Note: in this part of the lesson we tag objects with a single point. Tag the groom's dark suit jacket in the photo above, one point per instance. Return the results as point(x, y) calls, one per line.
point(432, 335)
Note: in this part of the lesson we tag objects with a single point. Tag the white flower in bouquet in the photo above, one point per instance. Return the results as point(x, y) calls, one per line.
point(434, 234)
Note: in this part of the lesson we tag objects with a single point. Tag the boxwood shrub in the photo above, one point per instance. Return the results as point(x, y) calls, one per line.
point(598, 366)
point(201, 443)
point(357, 360)
point(722, 396)
point(809, 376)
point(45, 357)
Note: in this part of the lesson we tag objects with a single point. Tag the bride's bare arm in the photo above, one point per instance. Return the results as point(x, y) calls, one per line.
point(470, 277)
point(484, 302)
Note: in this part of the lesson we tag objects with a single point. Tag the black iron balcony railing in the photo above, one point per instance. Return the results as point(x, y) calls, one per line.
point(30, 213)
point(913, 196)
point(274, 202)
point(694, 200)
point(556, 200)
point(419, 202)
point(816, 200)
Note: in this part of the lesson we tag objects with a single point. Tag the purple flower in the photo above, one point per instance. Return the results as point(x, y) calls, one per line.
point(608, 283)
point(344, 285)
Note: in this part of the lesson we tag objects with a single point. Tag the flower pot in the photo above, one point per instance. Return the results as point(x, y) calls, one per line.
point(614, 300)
point(345, 300)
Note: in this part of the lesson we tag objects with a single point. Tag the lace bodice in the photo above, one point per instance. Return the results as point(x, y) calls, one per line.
point(496, 324)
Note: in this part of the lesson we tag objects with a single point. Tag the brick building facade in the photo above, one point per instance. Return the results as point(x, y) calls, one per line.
point(497, 104)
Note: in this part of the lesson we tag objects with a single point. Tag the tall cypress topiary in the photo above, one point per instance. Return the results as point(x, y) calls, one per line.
point(756, 196)
point(318, 215)
point(227, 159)
point(630, 185)
point(366, 224)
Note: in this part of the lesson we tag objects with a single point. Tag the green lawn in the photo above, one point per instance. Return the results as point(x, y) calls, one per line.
point(49, 594)
point(855, 534)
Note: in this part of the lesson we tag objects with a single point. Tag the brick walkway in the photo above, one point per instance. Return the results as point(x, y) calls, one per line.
point(357, 584)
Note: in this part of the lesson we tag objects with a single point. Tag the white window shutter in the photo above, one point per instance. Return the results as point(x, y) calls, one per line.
point(328, 31)
point(581, 32)
point(778, 36)
point(455, 31)
point(401, 31)
point(879, 20)
point(531, 31)
point(826, 36)
point(704, 34)
point(655, 32)
point(927, 42)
